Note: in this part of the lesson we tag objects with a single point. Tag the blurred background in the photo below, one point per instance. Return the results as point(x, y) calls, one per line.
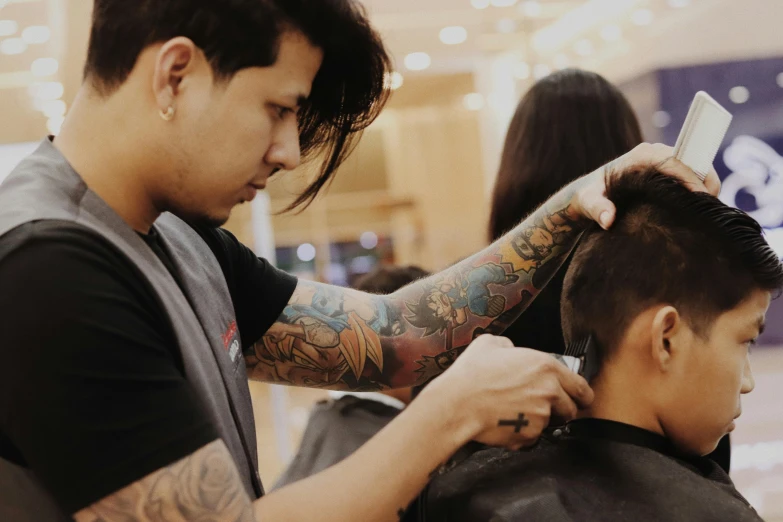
point(416, 189)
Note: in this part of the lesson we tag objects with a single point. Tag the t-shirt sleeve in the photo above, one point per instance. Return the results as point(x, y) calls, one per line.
point(92, 392)
point(258, 290)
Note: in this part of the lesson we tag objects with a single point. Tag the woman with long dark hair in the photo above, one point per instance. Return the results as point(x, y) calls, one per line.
point(566, 125)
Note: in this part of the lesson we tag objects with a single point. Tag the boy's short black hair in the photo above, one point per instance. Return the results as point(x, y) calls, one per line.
point(668, 245)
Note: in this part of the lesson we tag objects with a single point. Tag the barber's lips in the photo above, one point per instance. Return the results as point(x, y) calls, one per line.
point(249, 192)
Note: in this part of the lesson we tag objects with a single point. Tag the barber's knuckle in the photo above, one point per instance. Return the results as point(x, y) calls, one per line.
point(540, 413)
point(552, 390)
point(483, 338)
point(547, 365)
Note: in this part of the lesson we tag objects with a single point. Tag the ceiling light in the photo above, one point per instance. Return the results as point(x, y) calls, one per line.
point(661, 119)
point(611, 33)
point(305, 252)
point(47, 91)
point(393, 81)
point(36, 34)
point(7, 27)
point(13, 46)
point(417, 61)
point(44, 67)
point(583, 47)
point(453, 35)
point(561, 61)
point(522, 71)
point(473, 101)
point(368, 240)
point(53, 108)
point(531, 8)
point(642, 17)
point(541, 70)
point(479, 4)
point(739, 94)
point(506, 25)
point(54, 124)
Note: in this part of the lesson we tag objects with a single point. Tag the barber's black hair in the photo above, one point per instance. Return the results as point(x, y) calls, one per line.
point(668, 245)
point(348, 92)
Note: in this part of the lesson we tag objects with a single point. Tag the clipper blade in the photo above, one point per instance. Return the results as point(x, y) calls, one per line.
point(581, 356)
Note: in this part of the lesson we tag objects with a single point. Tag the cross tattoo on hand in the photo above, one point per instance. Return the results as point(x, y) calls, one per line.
point(518, 424)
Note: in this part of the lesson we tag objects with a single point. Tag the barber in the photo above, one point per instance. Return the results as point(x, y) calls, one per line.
point(130, 320)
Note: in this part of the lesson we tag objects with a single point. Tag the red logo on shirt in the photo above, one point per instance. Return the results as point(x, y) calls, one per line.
point(229, 335)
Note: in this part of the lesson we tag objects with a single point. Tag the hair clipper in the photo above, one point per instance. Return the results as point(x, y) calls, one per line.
point(582, 357)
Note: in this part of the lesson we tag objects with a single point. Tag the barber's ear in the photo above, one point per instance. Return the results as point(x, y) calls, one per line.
point(668, 332)
point(175, 59)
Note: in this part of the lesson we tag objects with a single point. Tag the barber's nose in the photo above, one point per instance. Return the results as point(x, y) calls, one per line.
point(748, 382)
point(284, 151)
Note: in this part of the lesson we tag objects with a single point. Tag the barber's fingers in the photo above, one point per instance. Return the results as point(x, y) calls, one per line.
point(563, 406)
point(573, 385)
point(712, 182)
point(662, 157)
point(503, 342)
point(595, 205)
point(592, 198)
point(675, 168)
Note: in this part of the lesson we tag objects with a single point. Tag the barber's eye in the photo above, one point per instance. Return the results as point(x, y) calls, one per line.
point(282, 112)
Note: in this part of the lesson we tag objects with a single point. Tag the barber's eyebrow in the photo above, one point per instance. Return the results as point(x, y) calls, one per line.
point(300, 99)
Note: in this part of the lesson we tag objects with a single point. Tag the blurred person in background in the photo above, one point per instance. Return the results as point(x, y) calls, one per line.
point(570, 122)
point(338, 426)
point(130, 320)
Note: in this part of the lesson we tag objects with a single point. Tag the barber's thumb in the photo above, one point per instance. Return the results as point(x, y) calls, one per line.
point(606, 218)
point(602, 211)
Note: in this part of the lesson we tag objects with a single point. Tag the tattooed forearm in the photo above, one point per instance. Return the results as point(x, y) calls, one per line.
point(338, 338)
point(204, 486)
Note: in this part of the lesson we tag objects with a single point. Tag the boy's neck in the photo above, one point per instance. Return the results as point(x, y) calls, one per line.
point(620, 398)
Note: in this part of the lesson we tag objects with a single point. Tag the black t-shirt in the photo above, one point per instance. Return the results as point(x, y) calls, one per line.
point(92, 391)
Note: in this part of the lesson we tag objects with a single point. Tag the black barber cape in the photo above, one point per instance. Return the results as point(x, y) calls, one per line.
point(590, 470)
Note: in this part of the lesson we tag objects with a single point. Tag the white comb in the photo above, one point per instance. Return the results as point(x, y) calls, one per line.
point(702, 133)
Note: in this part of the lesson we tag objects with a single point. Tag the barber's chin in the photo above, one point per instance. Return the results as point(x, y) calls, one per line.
point(213, 220)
